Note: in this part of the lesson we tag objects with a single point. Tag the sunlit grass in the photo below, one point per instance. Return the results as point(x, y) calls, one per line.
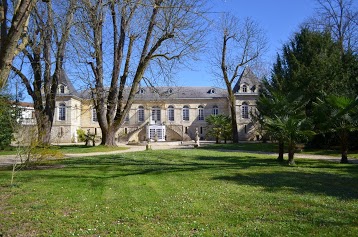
point(190, 192)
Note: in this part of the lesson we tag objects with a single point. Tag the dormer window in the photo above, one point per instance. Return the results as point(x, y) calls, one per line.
point(141, 91)
point(62, 89)
point(253, 89)
point(244, 88)
point(211, 91)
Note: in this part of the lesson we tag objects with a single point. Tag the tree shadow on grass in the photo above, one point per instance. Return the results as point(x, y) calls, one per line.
point(340, 186)
point(317, 176)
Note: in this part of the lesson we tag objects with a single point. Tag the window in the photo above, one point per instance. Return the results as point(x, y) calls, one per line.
point(200, 113)
point(171, 113)
point(215, 110)
point(94, 115)
point(253, 89)
point(244, 88)
point(156, 114)
point(140, 114)
point(126, 119)
point(186, 113)
point(141, 91)
point(62, 112)
point(244, 111)
point(62, 89)
point(211, 91)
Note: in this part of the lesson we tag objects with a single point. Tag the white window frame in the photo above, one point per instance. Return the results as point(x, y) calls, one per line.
point(94, 115)
point(244, 111)
point(140, 114)
point(201, 113)
point(156, 114)
point(215, 110)
point(244, 88)
point(186, 113)
point(62, 112)
point(171, 113)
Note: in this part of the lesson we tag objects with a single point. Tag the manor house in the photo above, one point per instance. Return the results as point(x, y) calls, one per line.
point(162, 113)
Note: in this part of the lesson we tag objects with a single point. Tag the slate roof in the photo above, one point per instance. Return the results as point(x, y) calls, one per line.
point(180, 93)
point(169, 93)
point(64, 80)
point(247, 77)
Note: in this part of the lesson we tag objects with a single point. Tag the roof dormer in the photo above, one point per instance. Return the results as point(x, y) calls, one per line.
point(211, 91)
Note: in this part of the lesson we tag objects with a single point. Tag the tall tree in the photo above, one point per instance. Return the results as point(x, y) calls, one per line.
point(48, 35)
point(240, 42)
point(311, 64)
point(14, 37)
point(140, 35)
point(340, 17)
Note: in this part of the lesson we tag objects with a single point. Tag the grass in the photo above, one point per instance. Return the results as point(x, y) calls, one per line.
point(69, 149)
point(185, 192)
point(273, 147)
point(87, 149)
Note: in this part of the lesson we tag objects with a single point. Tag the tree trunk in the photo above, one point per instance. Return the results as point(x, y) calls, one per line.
point(344, 147)
point(291, 153)
point(235, 132)
point(108, 137)
point(44, 126)
point(280, 151)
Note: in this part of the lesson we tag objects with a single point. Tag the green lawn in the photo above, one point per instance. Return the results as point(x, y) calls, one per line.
point(273, 147)
point(70, 149)
point(189, 192)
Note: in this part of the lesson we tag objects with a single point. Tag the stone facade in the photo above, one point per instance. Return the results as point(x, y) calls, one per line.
point(162, 114)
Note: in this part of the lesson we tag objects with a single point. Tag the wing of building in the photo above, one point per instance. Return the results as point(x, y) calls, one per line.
point(162, 113)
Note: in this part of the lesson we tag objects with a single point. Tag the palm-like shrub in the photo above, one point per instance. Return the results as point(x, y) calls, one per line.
point(338, 114)
point(219, 127)
point(291, 130)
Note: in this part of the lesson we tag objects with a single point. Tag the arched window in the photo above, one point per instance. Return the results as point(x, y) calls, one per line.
point(200, 112)
point(244, 88)
point(215, 110)
point(62, 112)
point(140, 114)
point(156, 114)
point(94, 115)
point(171, 113)
point(244, 111)
point(186, 113)
point(62, 89)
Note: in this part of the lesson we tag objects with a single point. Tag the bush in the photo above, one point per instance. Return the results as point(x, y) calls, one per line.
point(81, 135)
point(6, 122)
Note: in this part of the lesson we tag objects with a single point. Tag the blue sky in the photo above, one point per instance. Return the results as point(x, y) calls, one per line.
point(278, 18)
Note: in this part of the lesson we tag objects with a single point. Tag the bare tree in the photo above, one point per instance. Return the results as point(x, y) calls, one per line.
point(11, 36)
point(340, 17)
point(139, 35)
point(239, 43)
point(48, 34)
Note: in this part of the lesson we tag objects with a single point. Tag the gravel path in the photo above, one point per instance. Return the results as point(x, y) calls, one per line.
point(6, 160)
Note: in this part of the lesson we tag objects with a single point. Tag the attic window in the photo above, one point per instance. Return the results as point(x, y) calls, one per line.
point(253, 89)
point(211, 91)
point(141, 91)
point(62, 89)
point(170, 90)
point(244, 88)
